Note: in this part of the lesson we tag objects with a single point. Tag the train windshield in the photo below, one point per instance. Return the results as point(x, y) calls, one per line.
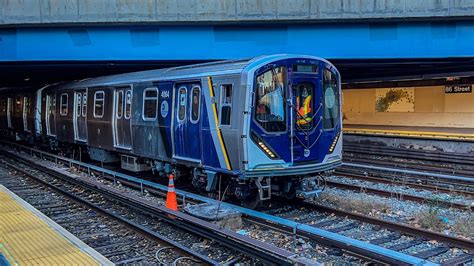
point(270, 99)
point(331, 99)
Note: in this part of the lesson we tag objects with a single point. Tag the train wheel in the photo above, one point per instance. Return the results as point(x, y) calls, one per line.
point(252, 202)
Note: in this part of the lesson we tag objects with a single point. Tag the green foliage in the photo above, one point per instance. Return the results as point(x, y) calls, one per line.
point(392, 96)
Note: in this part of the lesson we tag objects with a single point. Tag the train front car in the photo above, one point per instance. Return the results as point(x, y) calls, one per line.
point(294, 127)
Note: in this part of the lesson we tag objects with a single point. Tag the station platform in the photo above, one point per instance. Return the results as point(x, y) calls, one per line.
point(440, 133)
point(28, 237)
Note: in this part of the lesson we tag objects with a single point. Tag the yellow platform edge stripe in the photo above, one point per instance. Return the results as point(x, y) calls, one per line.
point(441, 135)
point(76, 243)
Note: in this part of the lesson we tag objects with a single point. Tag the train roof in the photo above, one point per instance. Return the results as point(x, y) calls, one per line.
point(219, 67)
point(190, 71)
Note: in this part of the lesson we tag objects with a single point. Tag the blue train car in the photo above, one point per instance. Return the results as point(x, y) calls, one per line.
point(252, 128)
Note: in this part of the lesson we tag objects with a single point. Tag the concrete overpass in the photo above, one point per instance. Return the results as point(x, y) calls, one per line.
point(71, 12)
point(365, 38)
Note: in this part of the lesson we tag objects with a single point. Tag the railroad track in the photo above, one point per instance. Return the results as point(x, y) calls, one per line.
point(424, 244)
point(119, 239)
point(84, 190)
point(423, 160)
point(453, 185)
point(93, 219)
point(352, 247)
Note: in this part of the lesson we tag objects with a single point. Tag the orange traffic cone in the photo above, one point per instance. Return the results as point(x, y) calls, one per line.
point(171, 202)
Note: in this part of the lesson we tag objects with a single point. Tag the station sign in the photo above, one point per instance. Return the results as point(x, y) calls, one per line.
point(458, 89)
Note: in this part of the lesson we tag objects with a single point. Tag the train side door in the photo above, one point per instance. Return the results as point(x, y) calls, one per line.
point(51, 114)
point(122, 114)
point(187, 122)
point(9, 112)
point(80, 123)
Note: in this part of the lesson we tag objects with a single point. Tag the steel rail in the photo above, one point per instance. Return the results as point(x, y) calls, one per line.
point(257, 249)
point(402, 182)
point(453, 158)
point(184, 251)
point(374, 252)
point(411, 166)
point(407, 229)
point(465, 179)
point(398, 195)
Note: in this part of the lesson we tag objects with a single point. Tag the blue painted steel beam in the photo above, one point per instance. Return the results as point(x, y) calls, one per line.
point(207, 42)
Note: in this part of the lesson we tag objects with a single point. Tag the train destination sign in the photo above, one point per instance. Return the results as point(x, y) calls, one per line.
point(458, 89)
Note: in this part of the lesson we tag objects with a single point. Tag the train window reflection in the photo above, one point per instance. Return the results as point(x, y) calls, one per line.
point(270, 99)
point(331, 99)
point(84, 104)
point(150, 103)
point(195, 103)
point(128, 104)
point(99, 104)
point(226, 103)
point(63, 104)
point(182, 104)
point(78, 104)
point(120, 104)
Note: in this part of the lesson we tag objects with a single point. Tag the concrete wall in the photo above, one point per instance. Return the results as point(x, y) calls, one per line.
point(18, 12)
point(433, 108)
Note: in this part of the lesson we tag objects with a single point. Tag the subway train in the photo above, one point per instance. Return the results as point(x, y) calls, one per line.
point(249, 129)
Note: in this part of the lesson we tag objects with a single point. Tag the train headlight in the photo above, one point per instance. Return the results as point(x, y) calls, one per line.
point(334, 143)
point(263, 146)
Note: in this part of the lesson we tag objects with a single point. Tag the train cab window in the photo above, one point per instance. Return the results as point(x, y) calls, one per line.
point(78, 104)
point(195, 104)
point(99, 104)
point(84, 104)
point(150, 104)
point(119, 104)
point(304, 105)
point(182, 104)
point(270, 99)
point(63, 104)
point(226, 103)
point(128, 104)
point(331, 99)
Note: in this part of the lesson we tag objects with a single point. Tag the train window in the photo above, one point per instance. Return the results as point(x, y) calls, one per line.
point(119, 104)
point(270, 99)
point(226, 103)
point(84, 104)
point(128, 104)
point(63, 104)
point(18, 104)
point(99, 104)
point(331, 99)
point(27, 105)
point(195, 103)
point(182, 104)
point(78, 104)
point(304, 105)
point(150, 104)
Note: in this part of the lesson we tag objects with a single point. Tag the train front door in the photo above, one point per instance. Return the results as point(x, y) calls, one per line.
point(51, 114)
point(80, 121)
point(122, 115)
point(187, 122)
